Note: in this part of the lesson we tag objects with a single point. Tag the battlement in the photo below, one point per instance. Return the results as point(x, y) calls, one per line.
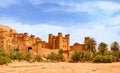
point(86, 39)
point(32, 36)
point(59, 34)
point(59, 42)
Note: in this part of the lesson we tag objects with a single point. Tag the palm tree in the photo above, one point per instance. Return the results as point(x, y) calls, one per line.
point(90, 45)
point(115, 46)
point(102, 48)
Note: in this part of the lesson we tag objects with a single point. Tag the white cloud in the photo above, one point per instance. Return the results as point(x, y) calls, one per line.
point(110, 20)
point(103, 29)
point(40, 30)
point(91, 7)
point(107, 7)
point(97, 7)
point(77, 33)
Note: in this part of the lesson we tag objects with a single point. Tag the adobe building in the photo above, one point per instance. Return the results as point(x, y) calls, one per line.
point(10, 39)
point(59, 42)
point(78, 46)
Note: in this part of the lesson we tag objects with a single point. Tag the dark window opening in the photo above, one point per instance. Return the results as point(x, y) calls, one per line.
point(29, 48)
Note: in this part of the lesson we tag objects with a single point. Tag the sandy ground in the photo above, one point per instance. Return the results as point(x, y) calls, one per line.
point(61, 67)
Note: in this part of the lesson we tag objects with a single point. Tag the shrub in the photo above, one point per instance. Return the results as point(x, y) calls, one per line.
point(88, 55)
point(103, 59)
point(76, 56)
point(16, 55)
point(98, 59)
point(60, 51)
point(20, 56)
point(59, 56)
point(4, 60)
point(12, 54)
point(38, 58)
point(116, 55)
point(28, 56)
point(82, 56)
point(52, 56)
point(107, 59)
point(2, 52)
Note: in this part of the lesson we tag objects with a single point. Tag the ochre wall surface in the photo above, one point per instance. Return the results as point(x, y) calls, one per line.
point(10, 39)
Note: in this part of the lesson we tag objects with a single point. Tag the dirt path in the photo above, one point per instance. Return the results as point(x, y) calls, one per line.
point(61, 67)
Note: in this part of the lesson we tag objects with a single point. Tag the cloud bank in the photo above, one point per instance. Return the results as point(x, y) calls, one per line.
point(101, 33)
point(104, 25)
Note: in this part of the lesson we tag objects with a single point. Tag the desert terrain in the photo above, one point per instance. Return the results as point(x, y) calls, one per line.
point(60, 67)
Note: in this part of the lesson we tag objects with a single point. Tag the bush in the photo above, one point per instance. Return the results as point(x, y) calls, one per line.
point(98, 59)
point(103, 59)
point(116, 56)
point(38, 58)
point(28, 56)
point(88, 55)
point(4, 60)
point(12, 54)
point(16, 55)
point(60, 51)
point(76, 56)
point(82, 56)
point(107, 59)
point(59, 56)
point(20, 56)
point(52, 56)
point(2, 52)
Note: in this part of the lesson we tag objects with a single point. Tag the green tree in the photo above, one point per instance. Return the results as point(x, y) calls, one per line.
point(91, 45)
point(102, 48)
point(115, 46)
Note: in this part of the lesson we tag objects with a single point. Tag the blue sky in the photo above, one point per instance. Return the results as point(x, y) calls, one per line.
point(99, 19)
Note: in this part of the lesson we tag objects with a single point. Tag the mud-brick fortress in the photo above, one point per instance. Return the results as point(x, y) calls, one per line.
point(10, 39)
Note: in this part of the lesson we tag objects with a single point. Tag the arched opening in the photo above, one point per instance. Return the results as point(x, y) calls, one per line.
point(29, 48)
